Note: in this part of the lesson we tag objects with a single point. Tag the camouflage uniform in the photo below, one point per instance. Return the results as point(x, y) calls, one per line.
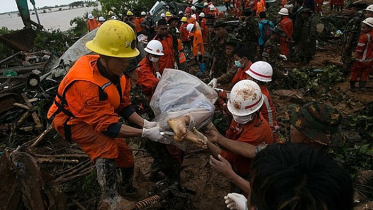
point(231, 71)
point(271, 51)
point(318, 122)
point(250, 32)
point(307, 43)
point(351, 31)
point(175, 43)
point(140, 103)
point(218, 51)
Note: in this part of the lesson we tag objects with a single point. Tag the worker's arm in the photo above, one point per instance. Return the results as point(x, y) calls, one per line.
point(224, 167)
point(240, 148)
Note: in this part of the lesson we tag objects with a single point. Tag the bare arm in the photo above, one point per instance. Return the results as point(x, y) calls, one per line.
point(240, 148)
point(127, 131)
point(223, 166)
point(137, 119)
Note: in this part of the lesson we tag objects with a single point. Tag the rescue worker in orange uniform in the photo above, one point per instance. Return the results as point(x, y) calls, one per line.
point(241, 60)
point(286, 25)
point(184, 36)
point(205, 8)
point(92, 23)
point(137, 22)
point(204, 27)
point(148, 70)
point(248, 126)
point(198, 48)
point(142, 18)
point(363, 56)
point(90, 98)
point(168, 60)
point(261, 72)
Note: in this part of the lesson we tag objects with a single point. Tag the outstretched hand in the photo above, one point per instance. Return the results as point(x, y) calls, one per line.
point(221, 165)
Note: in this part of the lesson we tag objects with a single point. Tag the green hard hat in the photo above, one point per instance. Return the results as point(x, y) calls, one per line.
point(319, 122)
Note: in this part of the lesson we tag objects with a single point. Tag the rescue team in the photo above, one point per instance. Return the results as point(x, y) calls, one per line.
point(101, 88)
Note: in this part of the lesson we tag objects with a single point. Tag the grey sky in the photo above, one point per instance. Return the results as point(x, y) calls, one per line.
point(10, 5)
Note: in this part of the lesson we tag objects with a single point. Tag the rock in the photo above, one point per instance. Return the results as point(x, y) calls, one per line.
point(364, 206)
point(363, 184)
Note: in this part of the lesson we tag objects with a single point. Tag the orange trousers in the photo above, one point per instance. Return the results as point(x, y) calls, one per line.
point(358, 68)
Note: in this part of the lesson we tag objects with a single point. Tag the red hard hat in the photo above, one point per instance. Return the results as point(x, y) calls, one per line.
point(188, 10)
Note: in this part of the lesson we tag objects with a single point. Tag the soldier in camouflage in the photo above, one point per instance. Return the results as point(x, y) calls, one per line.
point(250, 33)
point(217, 44)
point(306, 45)
point(351, 32)
point(271, 49)
point(315, 124)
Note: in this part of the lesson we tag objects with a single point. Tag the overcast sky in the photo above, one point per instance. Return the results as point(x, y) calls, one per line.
point(10, 5)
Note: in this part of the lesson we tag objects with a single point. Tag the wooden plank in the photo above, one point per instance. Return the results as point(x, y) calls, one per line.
point(34, 115)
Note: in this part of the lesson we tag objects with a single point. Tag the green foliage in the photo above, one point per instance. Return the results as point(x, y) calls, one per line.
point(80, 28)
point(357, 154)
point(221, 122)
point(52, 40)
point(314, 81)
point(5, 51)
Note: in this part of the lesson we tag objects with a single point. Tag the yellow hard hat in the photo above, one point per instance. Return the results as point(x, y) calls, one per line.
point(110, 13)
point(184, 19)
point(114, 38)
point(129, 13)
point(168, 14)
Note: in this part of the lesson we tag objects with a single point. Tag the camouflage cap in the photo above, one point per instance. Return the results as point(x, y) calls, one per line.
point(319, 122)
point(220, 23)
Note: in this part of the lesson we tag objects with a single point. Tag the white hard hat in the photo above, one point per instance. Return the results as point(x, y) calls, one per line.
point(212, 7)
point(180, 12)
point(113, 17)
point(90, 16)
point(190, 27)
point(163, 15)
point(205, 4)
point(202, 14)
point(194, 16)
point(101, 19)
point(284, 11)
point(261, 71)
point(245, 98)
point(143, 13)
point(369, 8)
point(154, 47)
point(369, 21)
point(193, 8)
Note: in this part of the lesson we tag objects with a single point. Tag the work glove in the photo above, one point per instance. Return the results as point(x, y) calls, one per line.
point(213, 83)
point(176, 67)
point(236, 201)
point(283, 57)
point(148, 124)
point(153, 134)
point(199, 52)
point(158, 75)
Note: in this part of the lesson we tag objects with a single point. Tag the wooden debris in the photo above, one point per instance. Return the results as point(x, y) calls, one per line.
point(41, 136)
point(34, 114)
point(22, 106)
point(54, 160)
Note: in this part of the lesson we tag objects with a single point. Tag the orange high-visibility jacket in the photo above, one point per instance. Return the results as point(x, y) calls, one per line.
point(92, 24)
point(168, 59)
point(241, 74)
point(255, 132)
point(86, 105)
point(363, 50)
point(287, 26)
point(197, 40)
point(268, 110)
point(184, 32)
point(204, 29)
point(147, 79)
point(137, 24)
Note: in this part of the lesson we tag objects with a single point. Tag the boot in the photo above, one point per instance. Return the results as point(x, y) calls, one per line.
point(352, 85)
point(108, 178)
point(126, 188)
point(362, 86)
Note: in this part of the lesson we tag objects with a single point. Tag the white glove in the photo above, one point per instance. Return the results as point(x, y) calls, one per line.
point(283, 57)
point(158, 75)
point(213, 83)
point(153, 134)
point(236, 201)
point(148, 124)
point(176, 67)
